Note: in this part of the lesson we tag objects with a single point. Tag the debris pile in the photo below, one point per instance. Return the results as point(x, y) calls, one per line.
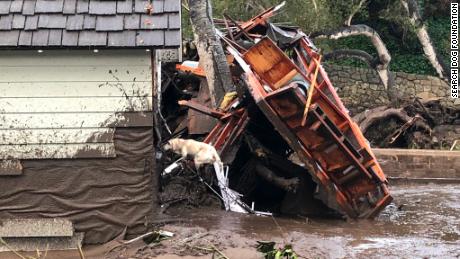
point(284, 136)
point(420, 124)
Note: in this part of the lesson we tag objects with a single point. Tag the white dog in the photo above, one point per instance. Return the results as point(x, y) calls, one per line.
point(202, 153)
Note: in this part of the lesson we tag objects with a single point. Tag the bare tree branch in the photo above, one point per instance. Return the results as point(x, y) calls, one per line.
point(353, 12)
point(433, 56)
point(384, 58)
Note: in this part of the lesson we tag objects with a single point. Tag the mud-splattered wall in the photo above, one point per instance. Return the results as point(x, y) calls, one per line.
point(64, 104)
point(361, 89)
point(76, 139)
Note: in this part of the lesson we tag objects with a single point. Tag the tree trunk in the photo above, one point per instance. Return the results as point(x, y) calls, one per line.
point(367, 118)
point(433, 56)
point(210, 51)
point(380, 64)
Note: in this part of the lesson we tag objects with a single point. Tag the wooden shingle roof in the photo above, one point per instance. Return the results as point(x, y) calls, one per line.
point(83, 23)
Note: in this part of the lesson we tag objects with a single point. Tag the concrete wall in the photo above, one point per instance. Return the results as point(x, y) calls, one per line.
point(361, 88)
point(416, 163)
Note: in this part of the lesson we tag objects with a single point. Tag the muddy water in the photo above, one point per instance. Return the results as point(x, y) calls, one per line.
point(423, 222)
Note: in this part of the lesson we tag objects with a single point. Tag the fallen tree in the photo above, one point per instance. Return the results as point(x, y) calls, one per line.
point(418, 124)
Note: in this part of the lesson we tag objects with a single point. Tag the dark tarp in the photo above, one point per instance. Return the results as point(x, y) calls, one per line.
point(100, 196)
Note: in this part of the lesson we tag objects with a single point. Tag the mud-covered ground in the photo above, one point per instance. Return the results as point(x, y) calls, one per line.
point(424, 222)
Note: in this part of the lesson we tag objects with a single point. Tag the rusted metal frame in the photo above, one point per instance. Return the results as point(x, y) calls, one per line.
point(201, 108)
point(237, 129)
point(321, 93)
point(237, 113)
point(344, 204)
point(344, 192)
point(330, 175)
point(279, 91)
point(260, 18)
point(210, 138)
point(317, 173)
point(242, 127)
point(300, 148)
point(342, 146)
point(228, 127)
point(379, 206)
point(324, 96)
point(240, 28)
point(325, 178)
point(305, 46)
point(303, 61)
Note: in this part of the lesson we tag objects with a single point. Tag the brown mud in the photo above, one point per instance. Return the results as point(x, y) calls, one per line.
point(424, 222)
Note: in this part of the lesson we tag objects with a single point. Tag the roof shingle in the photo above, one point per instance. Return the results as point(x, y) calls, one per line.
point(159, 21)
point(5, 22)
point(5, 7)
point(9, 38)
point(18, 21)
point(29, 7)
point(16, 6)
point(55, 38)
point(25, 38)
point(103, 7)
point(31, 23)
point(47, 6)
point(82, 6)
point(92, 38)
point(52, 21)
point(122, 39)
point(171, 6)
point(124, 7)
point(75, 22)
point(150, 38)
point(40, 38)
point(70, 7)
point(132, 22)
point(109, 23)
point(69, 38)
point(89, 22)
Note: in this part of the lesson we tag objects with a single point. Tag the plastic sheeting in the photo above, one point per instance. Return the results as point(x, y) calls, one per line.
point(100, 196)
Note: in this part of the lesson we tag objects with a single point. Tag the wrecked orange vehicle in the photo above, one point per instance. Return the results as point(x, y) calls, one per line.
point(281, 69)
